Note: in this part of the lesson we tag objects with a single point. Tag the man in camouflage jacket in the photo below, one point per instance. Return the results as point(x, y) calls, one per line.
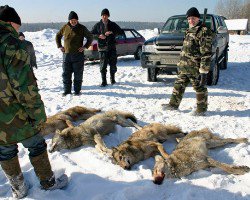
point(22, 111)
point(194, 64)
point(73, 52)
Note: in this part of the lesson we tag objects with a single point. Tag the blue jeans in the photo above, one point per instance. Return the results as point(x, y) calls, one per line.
point(35, 144)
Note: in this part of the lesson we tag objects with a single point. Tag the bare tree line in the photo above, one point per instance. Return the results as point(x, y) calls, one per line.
point(233, 9)
point(136, 25)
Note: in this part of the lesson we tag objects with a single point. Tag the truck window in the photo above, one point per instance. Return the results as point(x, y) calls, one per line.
point(180, 24)
point(175, 25)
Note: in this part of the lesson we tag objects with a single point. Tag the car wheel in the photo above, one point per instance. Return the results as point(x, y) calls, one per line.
point(223, 64)
point(152, 75)
point(138, 52)
point(213, 76)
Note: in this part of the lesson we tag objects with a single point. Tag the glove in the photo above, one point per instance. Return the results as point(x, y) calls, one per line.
point(203, 79)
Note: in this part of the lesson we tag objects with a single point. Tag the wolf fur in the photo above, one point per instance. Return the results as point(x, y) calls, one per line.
point(102, 124)
point(141, 145)
point(65, 118)
point(191, 154)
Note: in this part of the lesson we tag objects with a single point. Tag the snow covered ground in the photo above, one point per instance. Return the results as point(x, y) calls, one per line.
point(94, 177)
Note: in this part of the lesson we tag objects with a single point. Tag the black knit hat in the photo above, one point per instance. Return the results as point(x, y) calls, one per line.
point(193, 12)
point(105, 11)
point(21, 34)
point(73, 15)
point(8, 14)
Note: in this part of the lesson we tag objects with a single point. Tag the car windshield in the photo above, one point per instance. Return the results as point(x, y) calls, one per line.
point(180, 24)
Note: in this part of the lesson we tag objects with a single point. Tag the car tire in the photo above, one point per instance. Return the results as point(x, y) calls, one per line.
point(138, 52)
point(213, 76)
point(152, 75)
point(223, 64)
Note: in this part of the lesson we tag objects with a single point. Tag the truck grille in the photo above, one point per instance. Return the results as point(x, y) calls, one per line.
point(169, 48)
point(163, 59)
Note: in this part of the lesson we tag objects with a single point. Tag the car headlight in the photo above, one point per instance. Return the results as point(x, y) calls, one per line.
point(148, 48)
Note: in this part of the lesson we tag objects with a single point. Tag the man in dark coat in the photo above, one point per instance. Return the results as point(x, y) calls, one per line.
point(73, 52)
point(106, 31)
point(22, 112)
point(30, 49)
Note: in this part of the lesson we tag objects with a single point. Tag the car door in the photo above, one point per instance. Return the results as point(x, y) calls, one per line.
point(225, 35)
point(131, 42)
point(121, 45)
point(220, 36)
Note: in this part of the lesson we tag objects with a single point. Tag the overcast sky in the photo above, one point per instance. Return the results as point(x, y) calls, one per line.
point(120, 10)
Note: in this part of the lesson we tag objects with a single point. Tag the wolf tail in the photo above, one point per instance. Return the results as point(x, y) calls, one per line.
point(82, 109)
point(125, 119)
point(126, 115)
point(172, 129)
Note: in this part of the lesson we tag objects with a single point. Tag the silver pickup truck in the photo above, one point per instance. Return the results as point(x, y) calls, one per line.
point(161, 54)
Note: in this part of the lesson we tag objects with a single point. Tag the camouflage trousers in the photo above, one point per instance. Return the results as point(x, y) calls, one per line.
point(180, 85)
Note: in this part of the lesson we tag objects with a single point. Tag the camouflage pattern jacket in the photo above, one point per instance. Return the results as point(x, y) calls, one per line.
point(196, 53)
point(21, 108)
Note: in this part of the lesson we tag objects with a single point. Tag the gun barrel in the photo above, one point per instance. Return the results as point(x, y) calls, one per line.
point(204, 16)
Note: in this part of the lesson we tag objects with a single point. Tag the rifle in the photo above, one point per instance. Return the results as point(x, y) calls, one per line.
point(204, 17)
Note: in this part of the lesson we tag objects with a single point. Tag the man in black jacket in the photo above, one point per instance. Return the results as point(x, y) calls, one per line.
point(106, 31)
point(30, 49)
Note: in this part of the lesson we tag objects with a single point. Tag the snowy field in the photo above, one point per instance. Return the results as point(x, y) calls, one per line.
point(94, 177)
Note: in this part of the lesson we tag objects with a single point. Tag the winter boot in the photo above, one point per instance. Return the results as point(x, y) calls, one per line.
point(67, 88)
point(112, 78)
point(77, 87)
point(104, 80)
point(65, 93)
point(198, 112)
point(168, 107)
point(46, 176)
point(13, 173)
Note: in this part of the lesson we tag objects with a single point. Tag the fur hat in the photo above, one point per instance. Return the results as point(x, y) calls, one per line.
point(21, 34)
point(8, 14)
point(193, 12)
point(105, 11)
point(73, 15)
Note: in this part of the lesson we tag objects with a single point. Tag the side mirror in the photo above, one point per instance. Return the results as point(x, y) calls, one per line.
point(222, 29)
point(157, 31)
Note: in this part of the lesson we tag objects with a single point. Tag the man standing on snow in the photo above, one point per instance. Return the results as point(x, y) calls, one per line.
point(194, 64)
point(106, 31)
point(22, 112)
point(30, 49)
point(73, 52)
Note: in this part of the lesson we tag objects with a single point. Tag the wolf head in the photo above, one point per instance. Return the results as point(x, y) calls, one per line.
point(58, 143)
point(65, 139)
point(162, 169)
point(123, 158)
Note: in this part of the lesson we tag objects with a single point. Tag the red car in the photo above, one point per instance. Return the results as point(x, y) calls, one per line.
point(130, 43)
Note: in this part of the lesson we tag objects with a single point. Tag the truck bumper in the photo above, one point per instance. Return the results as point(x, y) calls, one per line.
point(149, 60)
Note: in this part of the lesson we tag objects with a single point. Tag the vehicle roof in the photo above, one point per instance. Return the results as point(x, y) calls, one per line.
point(184, 15)
point(128, 29)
